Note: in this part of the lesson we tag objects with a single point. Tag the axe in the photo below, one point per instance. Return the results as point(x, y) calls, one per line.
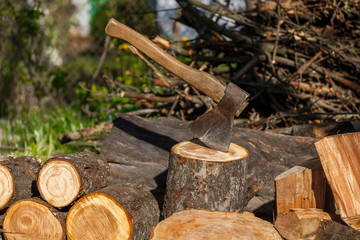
point(214, 128)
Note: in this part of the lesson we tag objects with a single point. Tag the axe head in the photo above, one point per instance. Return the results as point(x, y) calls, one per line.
point(214, 128)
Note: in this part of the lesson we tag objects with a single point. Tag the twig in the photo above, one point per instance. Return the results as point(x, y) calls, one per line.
point(166, 81)
point(97, 129)
point(305, 66)
point(246, 68)
point(277, 33)
point(102, 58)
point(133, 95)
point(144, 111)
point(12, 148)
point(173, 106)
point(226, 13)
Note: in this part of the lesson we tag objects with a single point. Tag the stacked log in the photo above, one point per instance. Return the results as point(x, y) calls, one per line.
point(62, 180)
point(33, 219)
point(115, 212)
point(17, 180)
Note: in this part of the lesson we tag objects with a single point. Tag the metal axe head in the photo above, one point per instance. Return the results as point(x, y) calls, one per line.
point(214, 128)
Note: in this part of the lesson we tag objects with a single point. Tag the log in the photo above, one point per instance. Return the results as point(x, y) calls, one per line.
point(17, 180)
point(336, 231)
point(205, 224)
point(204, 178)
point(339, 156)
point(116, 212)
point(63, 179)
point(300, 223)
point(302, 186)
point(142, 146)
point(320, 130)
point(33, 219)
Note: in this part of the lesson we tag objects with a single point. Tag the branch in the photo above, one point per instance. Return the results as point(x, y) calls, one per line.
point(219, 9)
point(101, 128)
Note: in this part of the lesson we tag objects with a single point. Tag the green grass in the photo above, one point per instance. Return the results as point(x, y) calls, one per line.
point(35, 133)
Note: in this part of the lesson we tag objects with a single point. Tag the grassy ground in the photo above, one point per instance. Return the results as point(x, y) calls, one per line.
point(35, 134)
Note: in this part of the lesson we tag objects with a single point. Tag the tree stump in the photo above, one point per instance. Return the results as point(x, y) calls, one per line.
point(17, 180)
point(61, 180)
point(203, 178)
point(33, 219)
point(300, 223)
point(205, 224)
point(302, 186)
point(116, 212)
point(340, 158)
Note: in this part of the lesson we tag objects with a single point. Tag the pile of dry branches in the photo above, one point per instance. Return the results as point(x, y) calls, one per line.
point(299, 57)
point(299, 60)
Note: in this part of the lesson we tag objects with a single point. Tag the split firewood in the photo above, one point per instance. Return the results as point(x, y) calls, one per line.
point(300, 223)
point(139, 149)
point(203, 178)
point(340, 157)
point(63, 179)
point(115, 212)
point(33, 219)
point(336, 231)
point(302, 186)
point(205, 224)
point(17, 179)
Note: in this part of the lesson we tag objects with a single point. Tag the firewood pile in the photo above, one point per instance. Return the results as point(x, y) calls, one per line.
point(299, 59)
point(301, 187)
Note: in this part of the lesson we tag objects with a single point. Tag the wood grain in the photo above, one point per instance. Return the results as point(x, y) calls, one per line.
point(340, 158)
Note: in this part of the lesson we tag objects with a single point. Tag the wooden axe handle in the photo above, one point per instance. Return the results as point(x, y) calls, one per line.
point(202, 81)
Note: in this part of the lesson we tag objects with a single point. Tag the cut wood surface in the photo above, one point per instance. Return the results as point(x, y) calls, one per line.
point(61, 180)
point(17, 180)
point(340, 158)
point(143, 146)
point(204, 178)
point(116, 212)
point(33, 219)
point(300, 223)
point(205, 224)
point(302, 186)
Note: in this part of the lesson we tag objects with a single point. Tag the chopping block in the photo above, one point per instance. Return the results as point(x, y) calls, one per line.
point(203, 178)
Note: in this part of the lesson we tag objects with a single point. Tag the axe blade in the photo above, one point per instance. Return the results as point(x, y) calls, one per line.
point(214, 128)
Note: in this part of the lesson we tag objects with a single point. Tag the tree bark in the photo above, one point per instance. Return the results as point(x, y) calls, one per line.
point(300, 223)
point(205, 224)
point(115, 212)
point(302, 186)
point(61, 180)
point(33, 219)
point(339, 157)
point(17, 180)
point(204, 178)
